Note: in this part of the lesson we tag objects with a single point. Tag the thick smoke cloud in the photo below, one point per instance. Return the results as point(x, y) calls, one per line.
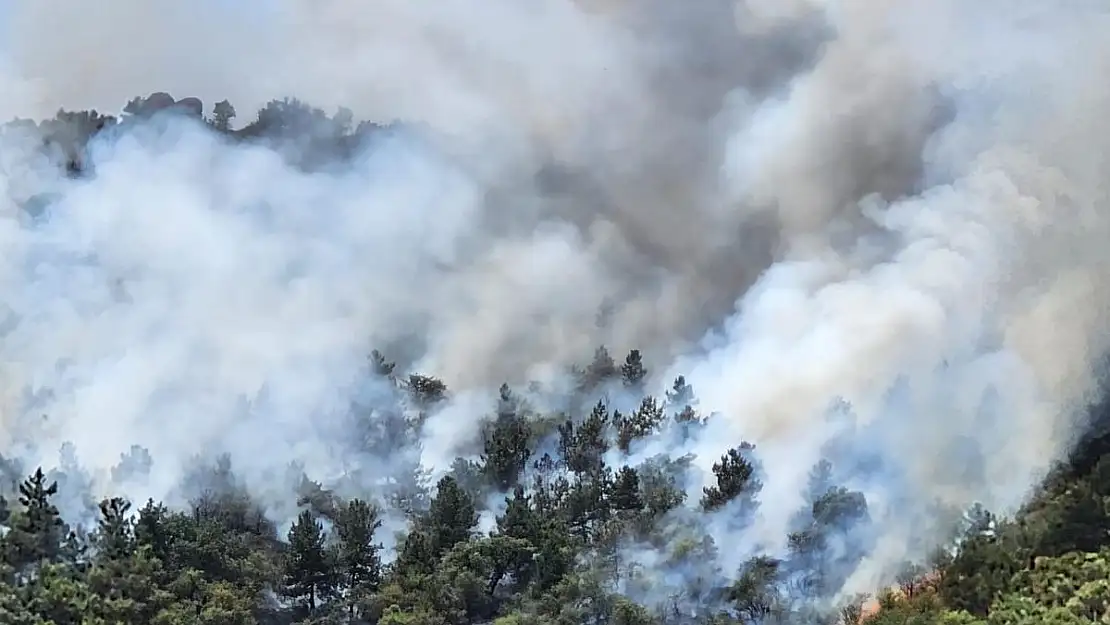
point(899, 205)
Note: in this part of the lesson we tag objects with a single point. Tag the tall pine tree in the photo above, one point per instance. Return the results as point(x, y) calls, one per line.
point(360, 563)
point(310, 575)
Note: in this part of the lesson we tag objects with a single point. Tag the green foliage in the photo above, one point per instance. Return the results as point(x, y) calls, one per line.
point(310, 575)
point(581, 505)
point(451, 517)
point(36, 530)
point(633, 372)
point(358, 556)
point(645, 421)
point(506, 443)
point(735, 475)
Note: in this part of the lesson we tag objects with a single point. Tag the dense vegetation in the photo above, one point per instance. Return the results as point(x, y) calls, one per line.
point(541, 527)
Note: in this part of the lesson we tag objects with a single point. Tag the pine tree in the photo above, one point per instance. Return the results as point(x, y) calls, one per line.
point(626, 491)
point(37, 530)
point(451, 516)
point(380, 366)
point(519, 519)
point(633, 371)
point(115, 535)
point(222, 114)
point(837, 518)
point(735, 477)
point(417, 555)
point(820, 481)
point(588, 504)
point(426, 391)
point(506, 444)
point(309, 572)
point(583, 448)
point(359, 556)
point(601, 370)
point(135, 464)
point(642, 423)
point(151, 530)
point(681, 395)
point(682, 406)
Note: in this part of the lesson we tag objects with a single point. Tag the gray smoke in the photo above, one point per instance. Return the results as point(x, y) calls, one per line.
point(896, 204)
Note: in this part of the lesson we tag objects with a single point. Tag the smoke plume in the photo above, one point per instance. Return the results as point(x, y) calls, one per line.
point(894, 206)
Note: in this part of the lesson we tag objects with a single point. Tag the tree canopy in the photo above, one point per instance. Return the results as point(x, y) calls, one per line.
point(546, 525)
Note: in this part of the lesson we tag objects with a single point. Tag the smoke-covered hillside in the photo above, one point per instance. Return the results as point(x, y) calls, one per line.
point(569, 312)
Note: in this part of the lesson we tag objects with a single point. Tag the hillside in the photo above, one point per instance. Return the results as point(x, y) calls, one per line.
point(567, 512)
point(558, 312)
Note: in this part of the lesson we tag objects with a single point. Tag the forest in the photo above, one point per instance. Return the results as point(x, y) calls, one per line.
point(541, 527)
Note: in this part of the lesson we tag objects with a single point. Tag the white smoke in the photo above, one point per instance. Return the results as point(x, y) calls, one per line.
point(985, 284)
point(899, 204)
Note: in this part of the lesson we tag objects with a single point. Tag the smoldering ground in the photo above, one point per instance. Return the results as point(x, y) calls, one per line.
point(899, 205)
